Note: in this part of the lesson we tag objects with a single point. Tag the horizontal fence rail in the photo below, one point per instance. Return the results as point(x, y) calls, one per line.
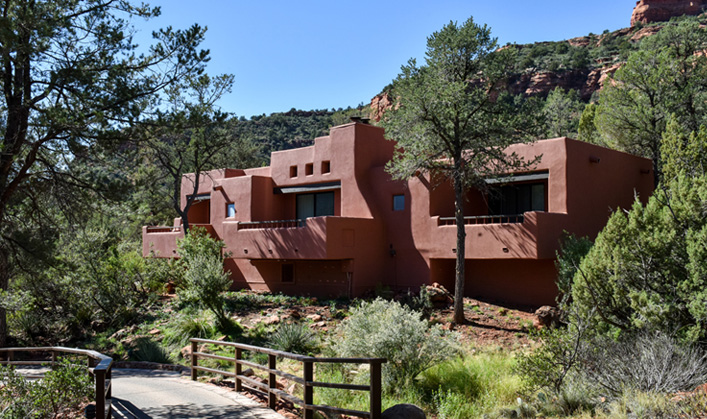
point(249, 225)
point(99, 367)
point(484, 219)
point(306, 380)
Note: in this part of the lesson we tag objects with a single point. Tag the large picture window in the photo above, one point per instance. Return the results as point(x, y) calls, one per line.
point(517, 199)
point(315, 205)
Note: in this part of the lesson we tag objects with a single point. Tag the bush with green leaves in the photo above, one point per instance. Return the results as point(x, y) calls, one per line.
point(64, 388)
point(147, 350)
point(294, 337)
point(204, 277)
point(568, 259)
point(647, 270)
point(386, 329)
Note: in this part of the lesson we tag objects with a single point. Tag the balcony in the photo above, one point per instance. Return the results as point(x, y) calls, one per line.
point(161, 241)
point(532, 235)
point(326, 237)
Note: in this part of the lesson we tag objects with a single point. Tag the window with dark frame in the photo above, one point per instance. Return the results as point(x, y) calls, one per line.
point(293, 171)
point(288, 272)
point(230, 210)
point(309, 169)
point(398, 202)
point(517, 199)
point(326, 167)
point(318, 204)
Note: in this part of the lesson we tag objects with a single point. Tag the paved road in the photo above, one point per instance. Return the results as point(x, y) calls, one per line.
point(145, 394)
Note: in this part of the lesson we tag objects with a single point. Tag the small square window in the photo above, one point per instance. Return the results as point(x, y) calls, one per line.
point(293, 171)
point(230, 210)
point(309, 169)
point(398, 202)
point(326, 167)
point(288, 272)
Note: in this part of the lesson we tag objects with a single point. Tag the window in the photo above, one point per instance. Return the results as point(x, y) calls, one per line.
point(315, 205)
point(309, 169)
point(517, 199)
point(326, 167)
point(398, 202)
point(293, 171)
point(230, 210)
point(288, 272)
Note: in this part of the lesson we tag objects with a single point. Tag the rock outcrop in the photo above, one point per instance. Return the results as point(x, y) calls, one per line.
point(649, 11)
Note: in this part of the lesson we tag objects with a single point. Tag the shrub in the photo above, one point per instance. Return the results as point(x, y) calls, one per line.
point(385, 329)
point(147, 350)
point(646, 270)
point(187, 327)
point(204, 277)
point(294, 337)
point(64, 388)
point(652, 363)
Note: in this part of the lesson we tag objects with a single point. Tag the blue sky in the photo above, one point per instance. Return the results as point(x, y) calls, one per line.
point(331, 54)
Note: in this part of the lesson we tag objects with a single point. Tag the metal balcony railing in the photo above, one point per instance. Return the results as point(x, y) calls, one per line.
point(484, 219)
point(249, 225)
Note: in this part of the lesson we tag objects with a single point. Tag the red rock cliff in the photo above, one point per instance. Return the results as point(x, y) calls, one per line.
point(648, 11)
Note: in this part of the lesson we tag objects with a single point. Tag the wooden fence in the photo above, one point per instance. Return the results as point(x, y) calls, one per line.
point(307, 379)
point(99, 367)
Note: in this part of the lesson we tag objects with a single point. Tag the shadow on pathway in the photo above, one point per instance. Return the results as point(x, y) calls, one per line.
point(143, 394)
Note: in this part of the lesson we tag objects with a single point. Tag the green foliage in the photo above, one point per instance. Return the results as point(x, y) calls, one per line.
point(646, 268)
point(93, 85)
point(192, 136)
point(147, 350)
point(683, 154)
point(550, 366)
point(419, 302)
point(567, 263)
point(666, 76)
point(294, 337)
point(294, 128)
point(384, 329)
point(65, 387)
point(188, 326)
point(204, 277)
point(562, 112)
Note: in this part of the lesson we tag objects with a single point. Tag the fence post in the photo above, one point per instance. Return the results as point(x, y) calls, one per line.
point(194, 363)
point(375, 389)
point(100, 377)
point(53, 359)
point(239, 369)
point(308, 389)
point(272, 381)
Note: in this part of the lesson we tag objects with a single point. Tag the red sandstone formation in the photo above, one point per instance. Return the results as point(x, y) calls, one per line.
point(648, 11)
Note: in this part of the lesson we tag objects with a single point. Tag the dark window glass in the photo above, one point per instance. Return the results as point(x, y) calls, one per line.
point(398, 202)
point(315, 205)
point(517, 199)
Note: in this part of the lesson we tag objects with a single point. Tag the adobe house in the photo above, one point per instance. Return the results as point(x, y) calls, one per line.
point(327, 220)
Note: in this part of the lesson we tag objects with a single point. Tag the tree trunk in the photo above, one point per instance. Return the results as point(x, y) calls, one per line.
point(4, 284)
point(461, 238)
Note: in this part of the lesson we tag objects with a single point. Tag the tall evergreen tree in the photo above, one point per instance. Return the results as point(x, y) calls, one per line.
point(71, 78)
point(453, 118)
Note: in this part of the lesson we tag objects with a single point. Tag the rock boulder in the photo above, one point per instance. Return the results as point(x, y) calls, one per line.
point(649, 11)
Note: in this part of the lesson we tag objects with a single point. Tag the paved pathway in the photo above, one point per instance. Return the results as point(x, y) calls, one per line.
point(145, 394)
